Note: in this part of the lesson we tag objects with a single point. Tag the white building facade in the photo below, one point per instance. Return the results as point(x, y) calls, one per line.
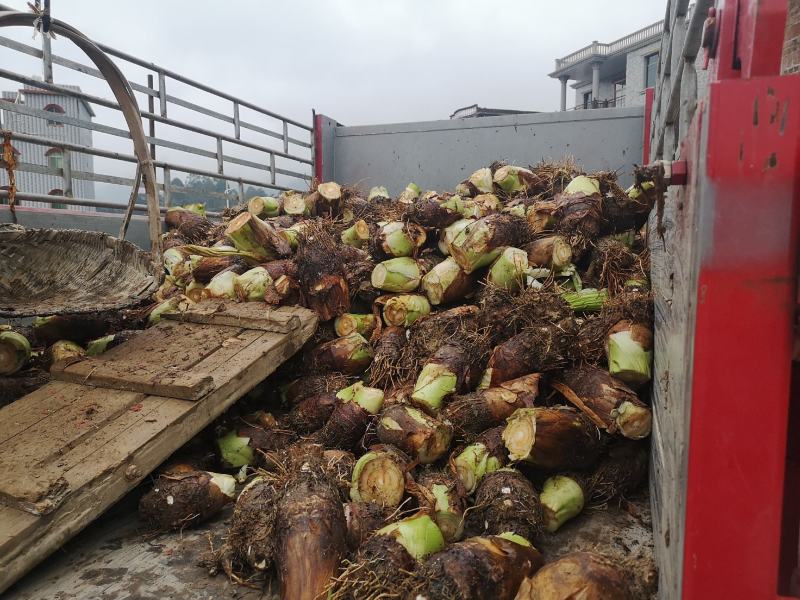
point(612, 74)
point(37, 163)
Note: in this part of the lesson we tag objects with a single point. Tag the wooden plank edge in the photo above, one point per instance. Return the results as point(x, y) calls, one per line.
point(268, 323)
point(194, 392)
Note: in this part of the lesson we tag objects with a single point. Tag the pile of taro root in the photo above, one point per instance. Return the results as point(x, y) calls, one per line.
point(480, 377)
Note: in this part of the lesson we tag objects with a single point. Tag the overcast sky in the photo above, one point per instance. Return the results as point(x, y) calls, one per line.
point(358, 61)
point(363, 61)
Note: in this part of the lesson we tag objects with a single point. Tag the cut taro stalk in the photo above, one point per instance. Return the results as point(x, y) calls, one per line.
point(485, 239)
point(354, 408)
point(451, 369)
point(609, 403)
point(476, 411)
point(405, 309)
point(15, 350)
point(424, 438)
point(380, 476)
point(250, 234)
point(620, 472)
point(578, 575)
point(396, 238)
point(400, 275)
point(506, 501)
point(629, 350)
point(264, 207)
point(182, 500)
point(247, 444)
point(550, 252)
point(351, 355)
point(442, 494)
point(432, 213)
point(447, 283)
point(312, 534)
point(357, 235)
point(384, 564)
point(479, 568)
point(555, 438)
point(539, 348)
point(304, 387)
point(63, 351)
point(363, 519)
point(483, 456)
point(349, 323)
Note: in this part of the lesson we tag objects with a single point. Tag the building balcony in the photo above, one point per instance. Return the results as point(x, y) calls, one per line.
point(598, 51)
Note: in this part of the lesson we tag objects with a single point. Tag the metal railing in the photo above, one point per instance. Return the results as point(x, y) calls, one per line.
point(280, 159)
point(617, 102)
point(601, 50)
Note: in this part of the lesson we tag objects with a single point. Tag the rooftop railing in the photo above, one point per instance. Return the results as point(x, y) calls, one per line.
point(601, 50)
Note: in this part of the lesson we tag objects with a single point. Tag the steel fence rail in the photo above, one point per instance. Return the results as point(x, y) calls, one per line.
point(290, 148)
point(69, 201)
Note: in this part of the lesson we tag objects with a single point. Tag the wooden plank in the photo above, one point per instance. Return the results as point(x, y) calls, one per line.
point(34, 407)
point(25, 477)
point(125, 451)
point(251, 315)
point(160, 361)
point(177, 345)
point(14, 524)
point(158, 380)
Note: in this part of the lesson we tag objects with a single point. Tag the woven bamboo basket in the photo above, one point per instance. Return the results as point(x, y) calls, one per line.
point(58, 271)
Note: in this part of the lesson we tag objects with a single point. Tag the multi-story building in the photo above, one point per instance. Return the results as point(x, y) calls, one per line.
point(613, 74)
point(40, 162)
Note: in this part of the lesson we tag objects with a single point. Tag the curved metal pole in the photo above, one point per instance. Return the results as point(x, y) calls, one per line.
point(130, 109)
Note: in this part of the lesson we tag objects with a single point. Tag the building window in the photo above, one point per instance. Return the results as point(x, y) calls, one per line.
point(55, 158)
point(650, 70)
point(54, 108)
point(57, 192)
point(587, 100)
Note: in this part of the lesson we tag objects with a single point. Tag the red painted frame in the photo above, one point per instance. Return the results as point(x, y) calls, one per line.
point(649, 96)
point(745, 306)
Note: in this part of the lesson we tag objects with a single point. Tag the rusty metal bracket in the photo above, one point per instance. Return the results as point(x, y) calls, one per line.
point(10, 163)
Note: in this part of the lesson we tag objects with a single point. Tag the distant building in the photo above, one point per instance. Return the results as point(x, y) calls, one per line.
point(469, 112)
point(614, 74)
point(61, 107)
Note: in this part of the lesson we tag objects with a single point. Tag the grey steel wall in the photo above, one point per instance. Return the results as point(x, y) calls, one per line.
point(44, 218)
point(439, 154)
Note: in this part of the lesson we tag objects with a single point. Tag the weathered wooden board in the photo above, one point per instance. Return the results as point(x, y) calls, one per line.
point(160, 361)
point(71, 450)
point(252, 315)
point(674, 272)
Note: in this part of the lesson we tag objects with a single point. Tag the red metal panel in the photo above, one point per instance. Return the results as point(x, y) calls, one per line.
point(743, 340)
point(649, 95)
point(760, 37)
point(724, 66)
